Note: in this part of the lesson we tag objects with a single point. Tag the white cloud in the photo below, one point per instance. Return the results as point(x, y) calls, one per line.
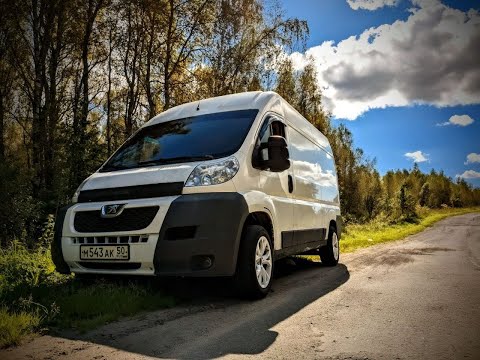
point(470, 174)
point(430, 58)
point(460, 120)
point(472, 158)
point(417, 156)
point(371, 4)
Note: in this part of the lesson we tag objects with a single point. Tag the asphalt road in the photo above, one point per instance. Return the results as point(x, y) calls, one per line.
point(413, 299)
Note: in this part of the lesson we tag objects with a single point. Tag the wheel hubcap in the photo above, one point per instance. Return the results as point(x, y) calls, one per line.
point(336, 250)
point(263, 262)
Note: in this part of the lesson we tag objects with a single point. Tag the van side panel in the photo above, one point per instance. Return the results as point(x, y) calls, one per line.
point(316, 192)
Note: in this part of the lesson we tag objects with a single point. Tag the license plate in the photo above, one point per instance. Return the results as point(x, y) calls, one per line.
point(104, 252)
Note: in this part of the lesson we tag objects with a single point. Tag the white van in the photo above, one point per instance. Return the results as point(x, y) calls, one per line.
point(218, 187)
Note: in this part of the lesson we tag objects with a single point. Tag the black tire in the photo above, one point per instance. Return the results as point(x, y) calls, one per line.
point(245, 280)
point(327, 253)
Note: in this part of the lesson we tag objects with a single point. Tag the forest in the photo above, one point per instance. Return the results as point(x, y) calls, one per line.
point(77, 78)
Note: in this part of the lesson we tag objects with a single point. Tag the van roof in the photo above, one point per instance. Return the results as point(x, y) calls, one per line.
point(241, 101)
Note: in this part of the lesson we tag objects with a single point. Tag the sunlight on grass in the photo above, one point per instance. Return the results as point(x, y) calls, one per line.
point(34, 296)
point(360, 236)
point(15, 326)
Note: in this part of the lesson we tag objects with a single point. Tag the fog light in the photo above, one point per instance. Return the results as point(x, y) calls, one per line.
point(202, 262)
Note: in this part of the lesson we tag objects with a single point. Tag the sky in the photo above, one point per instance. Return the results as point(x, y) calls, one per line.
point(402, 75)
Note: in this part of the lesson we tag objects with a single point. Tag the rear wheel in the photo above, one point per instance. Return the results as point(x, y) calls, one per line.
point(255, 263)
point(330, 253)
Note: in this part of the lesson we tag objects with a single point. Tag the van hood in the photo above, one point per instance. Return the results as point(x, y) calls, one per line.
point(140, 176)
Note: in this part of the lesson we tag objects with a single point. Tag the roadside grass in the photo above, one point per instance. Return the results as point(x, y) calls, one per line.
point(85, 307)
point(14, 327)
point(35, 299)
point(358, 236)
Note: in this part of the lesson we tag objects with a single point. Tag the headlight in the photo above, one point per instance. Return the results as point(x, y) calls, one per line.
point(77, 192)
point(213, 174)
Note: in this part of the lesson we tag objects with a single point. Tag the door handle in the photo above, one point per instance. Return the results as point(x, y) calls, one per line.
point(290, 184)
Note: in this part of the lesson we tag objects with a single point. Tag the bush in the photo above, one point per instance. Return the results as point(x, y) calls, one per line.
point(15, 326)
point(20, 267)
point(407, 204)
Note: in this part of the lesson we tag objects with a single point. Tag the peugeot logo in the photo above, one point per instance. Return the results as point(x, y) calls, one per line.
point(113, 210)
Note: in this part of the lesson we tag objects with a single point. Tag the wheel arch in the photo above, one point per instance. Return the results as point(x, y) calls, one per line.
point(261, 218)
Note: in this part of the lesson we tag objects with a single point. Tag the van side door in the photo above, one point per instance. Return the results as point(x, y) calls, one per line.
point(306, 158)
point(276, 184)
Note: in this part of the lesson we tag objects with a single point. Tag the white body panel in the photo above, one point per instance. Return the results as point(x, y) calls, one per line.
point(143, 251)
point(139, 176)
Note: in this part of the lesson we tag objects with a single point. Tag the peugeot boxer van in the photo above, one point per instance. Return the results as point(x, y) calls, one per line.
point(218, 187)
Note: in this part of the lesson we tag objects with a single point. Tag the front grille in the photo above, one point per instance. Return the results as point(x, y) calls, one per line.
point(130, 219)
point(110, 266)
point(110, 239)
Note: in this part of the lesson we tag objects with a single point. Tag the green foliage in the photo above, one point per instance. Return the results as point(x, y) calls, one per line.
point(84, 307)
point(424, 194)
point(22, 268)
point(34, 296)
point(378, 231)
point(286, 86)
point(406, 203)
point(103, 72)
point(15, 326)
point(48, 232)
point(19, 215)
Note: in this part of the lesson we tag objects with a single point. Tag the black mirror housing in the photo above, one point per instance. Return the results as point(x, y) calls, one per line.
point(278, 156)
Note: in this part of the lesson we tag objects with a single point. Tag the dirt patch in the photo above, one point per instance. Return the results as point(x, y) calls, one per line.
point(425, 251)
point(394, 259)
point(404, 256)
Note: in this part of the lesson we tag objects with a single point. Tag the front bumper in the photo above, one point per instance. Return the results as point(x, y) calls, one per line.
point(191, 235)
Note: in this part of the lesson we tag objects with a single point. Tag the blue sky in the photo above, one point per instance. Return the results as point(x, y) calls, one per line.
point(410, 72)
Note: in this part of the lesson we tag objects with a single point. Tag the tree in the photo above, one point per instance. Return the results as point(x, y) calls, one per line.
point(248, 36)
point(424, 194)
point(310, 98)
point(407, 203)
point(87, 13)
point(79, 77)
point(286, 86)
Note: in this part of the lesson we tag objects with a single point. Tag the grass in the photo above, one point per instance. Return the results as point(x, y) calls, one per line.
point(87, 307)
point(34, 298)
point(14, 327)
point(365, 235)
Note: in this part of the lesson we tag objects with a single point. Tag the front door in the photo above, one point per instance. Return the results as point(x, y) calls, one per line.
point(276, 184)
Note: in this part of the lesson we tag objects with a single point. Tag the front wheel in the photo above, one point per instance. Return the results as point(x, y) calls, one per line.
point(255, 263)
point(330, 253)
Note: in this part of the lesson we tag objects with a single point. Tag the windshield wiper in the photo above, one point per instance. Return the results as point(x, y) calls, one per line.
point(175, 160)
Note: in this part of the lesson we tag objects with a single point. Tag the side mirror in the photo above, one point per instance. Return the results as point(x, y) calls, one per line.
point(274, 154)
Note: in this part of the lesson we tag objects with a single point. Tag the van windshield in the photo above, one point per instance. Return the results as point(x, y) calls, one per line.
point(202, 137)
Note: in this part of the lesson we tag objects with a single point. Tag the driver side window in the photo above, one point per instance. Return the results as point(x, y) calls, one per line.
point(271, 126)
